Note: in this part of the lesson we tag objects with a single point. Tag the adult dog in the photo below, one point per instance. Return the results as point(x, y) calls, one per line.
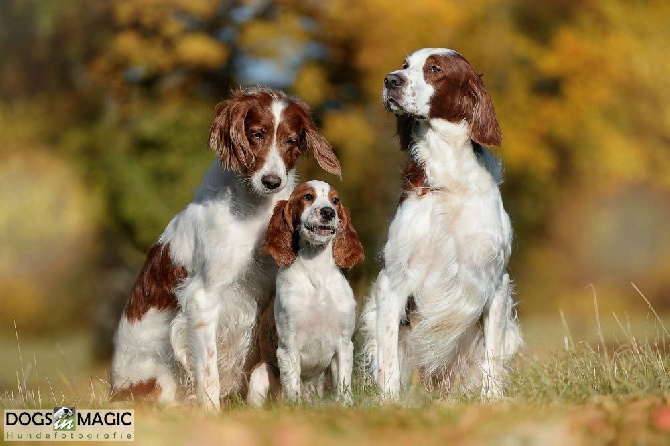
point(442, 302)
point(205, 282)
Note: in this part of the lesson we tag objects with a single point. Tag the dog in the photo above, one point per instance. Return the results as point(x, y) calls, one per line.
point(63, 412)
point(442, 303)
point(311, 322)
point(196, 301)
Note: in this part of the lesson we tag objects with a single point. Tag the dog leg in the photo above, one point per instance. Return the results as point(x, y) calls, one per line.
point(289, 372)
point(202, 315)
point(390, 306)
point(345, 363)
point(496, 321)
point(262, 380)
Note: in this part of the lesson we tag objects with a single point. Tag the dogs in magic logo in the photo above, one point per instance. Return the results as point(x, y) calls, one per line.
point(67, 423)
point(64, 418)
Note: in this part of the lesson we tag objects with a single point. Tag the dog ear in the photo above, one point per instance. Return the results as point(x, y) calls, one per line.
point(312, 141)
point(484, 127)
point(347, 248)
point(279, 237)
point(317, 144)
point(227, 137)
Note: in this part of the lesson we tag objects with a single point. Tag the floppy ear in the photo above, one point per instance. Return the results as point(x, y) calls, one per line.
point(279, 237)
point(484, 127)
point(227, 136)
point(314, 142)
point(347, 248)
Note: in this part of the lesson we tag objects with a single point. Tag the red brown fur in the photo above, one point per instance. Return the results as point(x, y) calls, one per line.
point(154, 288)
point(347, 248)
point(414, 180)
point(268, 340)
point(146, 391)
point(464, 97)
point(281, 240)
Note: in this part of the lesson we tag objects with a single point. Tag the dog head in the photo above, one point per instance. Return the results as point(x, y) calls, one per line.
point(315, 215)
point(260, 133)
point(440, 83)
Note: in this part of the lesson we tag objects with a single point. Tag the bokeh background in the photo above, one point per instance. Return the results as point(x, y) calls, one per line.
point(105, 108)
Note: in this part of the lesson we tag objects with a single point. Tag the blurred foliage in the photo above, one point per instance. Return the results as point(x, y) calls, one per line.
point(106, 106)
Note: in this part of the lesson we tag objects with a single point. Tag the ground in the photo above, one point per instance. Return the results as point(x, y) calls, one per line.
point(570, 386)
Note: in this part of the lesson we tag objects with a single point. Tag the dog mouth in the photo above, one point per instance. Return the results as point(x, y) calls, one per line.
point(321, 230)
point(392, 104)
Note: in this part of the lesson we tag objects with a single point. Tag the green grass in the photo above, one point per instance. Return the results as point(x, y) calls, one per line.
point(605, 382)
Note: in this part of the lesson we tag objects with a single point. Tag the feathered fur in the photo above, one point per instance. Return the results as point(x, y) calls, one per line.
point(442, 303)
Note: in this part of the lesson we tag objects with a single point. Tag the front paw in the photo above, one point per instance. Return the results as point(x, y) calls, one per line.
point(291, 396)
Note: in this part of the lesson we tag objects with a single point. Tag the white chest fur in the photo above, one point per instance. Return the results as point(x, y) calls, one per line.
point(314, 310)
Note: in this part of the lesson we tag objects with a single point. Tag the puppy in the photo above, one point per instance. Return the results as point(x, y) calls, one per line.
point(309, 326)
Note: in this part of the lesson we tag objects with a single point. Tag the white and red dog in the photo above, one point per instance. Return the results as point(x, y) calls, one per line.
point(309, 327)
point(442, 303)
point(204, 284)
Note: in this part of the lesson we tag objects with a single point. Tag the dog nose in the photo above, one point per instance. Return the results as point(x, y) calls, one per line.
point(393, 80)
point(327, 213)
point(271, 181)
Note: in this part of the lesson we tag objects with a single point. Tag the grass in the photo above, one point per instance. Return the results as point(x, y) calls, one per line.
point(606, 382)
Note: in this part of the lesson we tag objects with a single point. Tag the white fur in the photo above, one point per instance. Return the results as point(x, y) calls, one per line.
point(143, 352)
point(448, 249)
point(273, 164)
point(314, 314)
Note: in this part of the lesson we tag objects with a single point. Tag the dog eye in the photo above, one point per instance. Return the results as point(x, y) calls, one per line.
point(292, 140)
point(309, 197)
point(434, 69)
point(336, 200)
point(405, 65)
point(257, 135)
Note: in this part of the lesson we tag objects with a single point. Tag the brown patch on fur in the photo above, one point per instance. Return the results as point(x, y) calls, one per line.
point(414, 181)
point(281, 239)
point(228, 133)
point(347, 247)
point(312, 141)
point(460, 95)
point(268, 340)
point(279, 236)
point(148, 391)
point(154, 288)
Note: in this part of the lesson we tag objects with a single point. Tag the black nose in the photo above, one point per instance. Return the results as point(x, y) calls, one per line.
point(393, 80)
point(327, 213)
point(271, 181)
